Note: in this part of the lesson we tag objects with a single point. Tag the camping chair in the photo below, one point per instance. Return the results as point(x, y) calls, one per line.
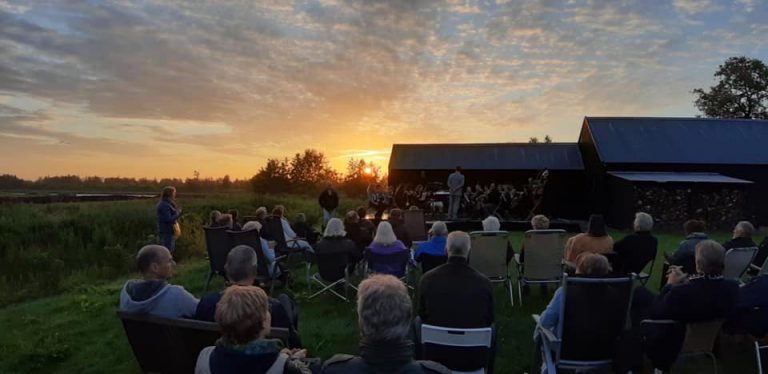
point(594, 313)
point(429, 262)
point(168, 345)
point(461, 350)
point(543, 259)
point(699, 337)
point(395, 264)
point(332, 272)
point(489, 257)
point(273, 228)
point(415, 225)
point(760, 270)
point(251, 238)
point(737, 261)
point(217, 246)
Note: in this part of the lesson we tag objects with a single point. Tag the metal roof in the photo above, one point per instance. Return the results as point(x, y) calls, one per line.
point(664, 177)
point(490, 156)
point(680, 140)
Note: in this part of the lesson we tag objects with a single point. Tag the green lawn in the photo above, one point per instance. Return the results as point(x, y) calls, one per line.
point(77, 331)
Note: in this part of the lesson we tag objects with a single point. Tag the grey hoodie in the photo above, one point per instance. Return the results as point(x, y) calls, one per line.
point(157, 298)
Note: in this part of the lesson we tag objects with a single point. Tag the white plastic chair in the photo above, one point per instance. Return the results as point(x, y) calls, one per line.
point(455, 337)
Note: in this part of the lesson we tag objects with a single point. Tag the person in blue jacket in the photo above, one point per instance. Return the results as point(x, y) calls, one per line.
point(167, 215)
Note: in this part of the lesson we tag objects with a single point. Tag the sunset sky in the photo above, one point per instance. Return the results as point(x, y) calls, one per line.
point(163, 88)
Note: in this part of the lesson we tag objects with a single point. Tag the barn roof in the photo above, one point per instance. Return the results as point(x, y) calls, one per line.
point(683, 177)
point(490, 156)
point(678, 140)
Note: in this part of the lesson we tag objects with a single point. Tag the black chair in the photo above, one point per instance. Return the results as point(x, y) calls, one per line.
point(429, 262)
point(331, 273)
point(167, 345)
point(251, 238)
point(273, 228)
point(217, 246)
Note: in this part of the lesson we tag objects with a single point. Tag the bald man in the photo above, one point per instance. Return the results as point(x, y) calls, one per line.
point(153, 294)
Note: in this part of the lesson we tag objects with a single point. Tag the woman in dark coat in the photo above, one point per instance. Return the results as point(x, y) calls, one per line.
point(167, 217)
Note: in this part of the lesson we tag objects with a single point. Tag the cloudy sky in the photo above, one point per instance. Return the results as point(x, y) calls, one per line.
point(163, 88)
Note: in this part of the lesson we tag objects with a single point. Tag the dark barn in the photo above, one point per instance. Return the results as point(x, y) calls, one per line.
point(505, 163)
point(684, 167)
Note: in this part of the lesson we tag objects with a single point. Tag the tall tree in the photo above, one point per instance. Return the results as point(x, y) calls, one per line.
point(741, 90)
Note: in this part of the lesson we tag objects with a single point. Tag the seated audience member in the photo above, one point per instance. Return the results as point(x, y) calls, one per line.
point(290, 235)
point(398, 226)
point(685, 254)
point(365, 224)
point(303, 229)
point(335, 241)
point(225, 220)
point(261, 214)
point(241, 268)
point(700, 297)
point(385, 243)
point(153, 294)
point(355, 233)
point(213, 218)
point(639, 248)
point(595, 240)
point(538, 222)
point(752, 295)
point(742, 237)
point(244, 318)
point(436, 244)
point(384, 319)
point(491, 223)
point(589, 265)
point(235, 225)
point(269, 253)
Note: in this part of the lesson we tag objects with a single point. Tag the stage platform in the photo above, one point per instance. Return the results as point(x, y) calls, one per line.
point(512, 225)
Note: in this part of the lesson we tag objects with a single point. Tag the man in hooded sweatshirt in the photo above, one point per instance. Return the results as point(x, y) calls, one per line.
point(153, 294)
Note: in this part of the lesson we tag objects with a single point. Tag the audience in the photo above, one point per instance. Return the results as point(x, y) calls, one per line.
point(366, 225)
point(398, 226)
point(384, 319)
point(244, 318)
point(637, 249)
point(742, 237)
point(153, 294)
point(269, 253)
point(752, 295)
point(290, 235)
point(213, 218)
point(434, 249)
point(225, 220)
point(386, 243)
point(354, 231)
point(335, 241)
point(685, 254)
point(538, 222)
point(492, 224)
point(303, 229)
point(235, 225)
point(261, 214)
point(595, 240)
point(241, 268)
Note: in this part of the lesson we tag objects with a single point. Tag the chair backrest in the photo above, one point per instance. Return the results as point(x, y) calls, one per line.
point(488, 253)
point(394, 264)
point(273, 229)
point(247, 219)
point(737, 260)
point(764, 268)
point(217, 246)
point(458, 349)
point(543, 254)
point(429, 262)
point(331, 266)
point(415, 224)
point(252, 239)
point(593, 315)
point(700, 336)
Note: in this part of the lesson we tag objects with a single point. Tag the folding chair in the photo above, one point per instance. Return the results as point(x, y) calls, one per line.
point(332, 272)
point(395, 264)
point(217, 246)
point(488, 255)
point(543, 259)
point(594, 313)
point(252, 239)
point(273, 228)
point(429, 262)
point(415, 224)
point(760, 270)
point(699, 337)
point(737, 261)
point(469, 349)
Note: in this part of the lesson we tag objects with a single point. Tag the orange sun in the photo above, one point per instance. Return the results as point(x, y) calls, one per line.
point(368, 170)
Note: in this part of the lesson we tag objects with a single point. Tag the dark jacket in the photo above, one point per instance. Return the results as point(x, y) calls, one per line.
point(262, 356)
point(401, 233)
point(304, 230)
point(167, 214)
point(753, 295)
point(635, 251)
point(739, 243)
point(456, 295)
point(700, 299)
point(389, 357)
point(355, 233)
point(685, 255)
point(335, 244)
point(327, 201)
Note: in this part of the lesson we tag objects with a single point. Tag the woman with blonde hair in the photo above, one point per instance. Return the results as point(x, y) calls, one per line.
point(385, 243)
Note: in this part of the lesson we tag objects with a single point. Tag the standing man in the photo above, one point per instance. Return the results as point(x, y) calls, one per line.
point(329, 201)
point(455, 184)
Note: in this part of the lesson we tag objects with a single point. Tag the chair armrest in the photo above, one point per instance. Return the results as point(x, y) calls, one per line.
point(536, 318)
point(517, 259)
point(278, 258)
point(548, 336)
point(754, 267)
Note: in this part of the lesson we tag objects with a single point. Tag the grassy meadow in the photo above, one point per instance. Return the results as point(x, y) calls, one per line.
point(62, 267)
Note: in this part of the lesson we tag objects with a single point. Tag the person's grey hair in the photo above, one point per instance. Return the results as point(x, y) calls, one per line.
point(384, 234)
point(261, 212)
point(241, 263)
point(540, 222)
point(746, 228)
point(300, 217)
point(335, 228)
point(383, 309)
point(458, 244)
point(710, 257)
point(439, 229)
point(491, 223)
point(643, 221)
point(252, 225)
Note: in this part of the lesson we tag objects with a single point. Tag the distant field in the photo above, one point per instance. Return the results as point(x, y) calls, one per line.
point(77, 330)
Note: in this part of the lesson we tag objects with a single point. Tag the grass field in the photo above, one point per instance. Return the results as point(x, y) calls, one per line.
point(77, 330)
